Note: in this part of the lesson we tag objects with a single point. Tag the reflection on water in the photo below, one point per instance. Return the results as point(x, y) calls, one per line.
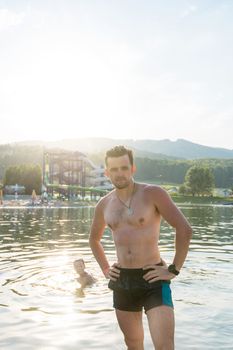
point(43, 307)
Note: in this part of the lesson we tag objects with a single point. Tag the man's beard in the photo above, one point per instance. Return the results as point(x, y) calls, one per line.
point(120, 186)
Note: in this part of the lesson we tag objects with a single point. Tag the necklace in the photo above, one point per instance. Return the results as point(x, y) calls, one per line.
point(130, 210)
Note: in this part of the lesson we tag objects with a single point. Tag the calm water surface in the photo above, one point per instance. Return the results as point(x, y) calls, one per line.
point(43, 307)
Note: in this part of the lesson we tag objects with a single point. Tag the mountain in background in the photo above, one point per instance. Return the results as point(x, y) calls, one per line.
point(154, 149)
point(151, 165)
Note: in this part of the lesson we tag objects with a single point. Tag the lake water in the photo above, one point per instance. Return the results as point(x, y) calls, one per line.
point(42, 306)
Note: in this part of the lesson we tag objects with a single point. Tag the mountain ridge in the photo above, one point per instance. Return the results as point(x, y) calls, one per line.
point(179, 149)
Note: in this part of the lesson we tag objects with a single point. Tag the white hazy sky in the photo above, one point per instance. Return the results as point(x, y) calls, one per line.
point(150, 69)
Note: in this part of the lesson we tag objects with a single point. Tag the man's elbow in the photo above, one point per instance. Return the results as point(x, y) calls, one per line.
point(189, 231)
point(184, 231)
point(92, 242)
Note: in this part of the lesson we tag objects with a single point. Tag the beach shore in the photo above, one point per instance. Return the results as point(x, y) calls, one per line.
point(10, 201)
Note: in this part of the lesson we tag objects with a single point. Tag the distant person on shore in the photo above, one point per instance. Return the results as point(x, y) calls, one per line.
point(85, 279)
point(34, 197)
point(139, 278)
point(44, 197)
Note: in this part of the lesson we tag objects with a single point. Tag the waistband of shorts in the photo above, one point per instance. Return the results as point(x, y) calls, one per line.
point(136, 271)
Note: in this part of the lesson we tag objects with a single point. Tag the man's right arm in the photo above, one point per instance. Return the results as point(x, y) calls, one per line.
point(96, 233)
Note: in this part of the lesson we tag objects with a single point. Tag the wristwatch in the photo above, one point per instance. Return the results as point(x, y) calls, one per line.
point(172, 269)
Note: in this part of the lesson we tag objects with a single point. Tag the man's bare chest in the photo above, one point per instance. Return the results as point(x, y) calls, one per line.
point(117, 216)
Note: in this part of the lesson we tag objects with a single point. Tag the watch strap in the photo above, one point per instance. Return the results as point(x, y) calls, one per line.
point(172, 269)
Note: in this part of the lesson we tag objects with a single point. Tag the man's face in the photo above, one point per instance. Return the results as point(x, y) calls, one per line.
point(79, 265)
point(120, 171)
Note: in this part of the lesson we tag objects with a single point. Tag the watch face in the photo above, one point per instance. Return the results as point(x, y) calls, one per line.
point(172, 269)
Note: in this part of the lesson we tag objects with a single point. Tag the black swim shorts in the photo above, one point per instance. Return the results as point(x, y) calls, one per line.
point(131, 292)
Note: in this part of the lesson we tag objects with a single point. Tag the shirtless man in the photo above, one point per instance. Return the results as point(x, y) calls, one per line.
point(85, 279)
point(140, 278)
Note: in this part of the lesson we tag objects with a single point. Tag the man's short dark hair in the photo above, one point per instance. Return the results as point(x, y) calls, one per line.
point(119, 151)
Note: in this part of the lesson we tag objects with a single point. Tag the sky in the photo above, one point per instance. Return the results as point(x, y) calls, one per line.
point(149, 69)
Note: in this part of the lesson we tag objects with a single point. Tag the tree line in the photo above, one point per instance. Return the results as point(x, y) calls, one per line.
point(174, 171)
point(29, 176)
point(156, 170)
point(199, 180)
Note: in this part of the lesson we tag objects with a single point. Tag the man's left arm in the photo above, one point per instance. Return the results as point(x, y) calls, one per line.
point(169, 211)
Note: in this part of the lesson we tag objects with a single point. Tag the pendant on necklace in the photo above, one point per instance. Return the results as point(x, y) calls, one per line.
point(130, 211)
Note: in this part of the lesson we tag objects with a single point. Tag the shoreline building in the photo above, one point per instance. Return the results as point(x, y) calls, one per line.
point(71, 173)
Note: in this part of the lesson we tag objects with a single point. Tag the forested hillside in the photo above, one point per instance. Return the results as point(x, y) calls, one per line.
point(154, 170)
point(168, 171)
point(11, 155)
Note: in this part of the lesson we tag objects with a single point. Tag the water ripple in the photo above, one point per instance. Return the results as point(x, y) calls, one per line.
point(42, 299)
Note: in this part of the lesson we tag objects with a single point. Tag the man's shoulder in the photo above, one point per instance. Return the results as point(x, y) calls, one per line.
point(150, 188)
point(86, 280)
point(155, 193)
point(104, 200)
